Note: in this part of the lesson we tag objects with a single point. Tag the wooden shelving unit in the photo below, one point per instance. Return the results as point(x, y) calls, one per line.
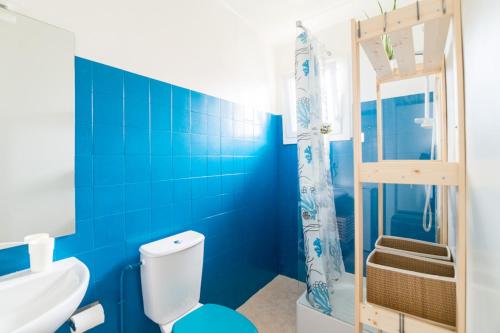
point(436, 16)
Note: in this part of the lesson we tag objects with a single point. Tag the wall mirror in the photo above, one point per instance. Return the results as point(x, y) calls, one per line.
point(36, 129)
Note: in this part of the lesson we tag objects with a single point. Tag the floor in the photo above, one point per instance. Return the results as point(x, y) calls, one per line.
point(272, 309)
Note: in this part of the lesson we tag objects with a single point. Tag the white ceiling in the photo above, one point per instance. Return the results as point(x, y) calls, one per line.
point(275, 20)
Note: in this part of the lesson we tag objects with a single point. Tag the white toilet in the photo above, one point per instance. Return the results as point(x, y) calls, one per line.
point(171, 282)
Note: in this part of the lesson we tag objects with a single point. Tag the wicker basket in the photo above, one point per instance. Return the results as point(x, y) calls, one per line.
point(414, 247)
point(414, 285)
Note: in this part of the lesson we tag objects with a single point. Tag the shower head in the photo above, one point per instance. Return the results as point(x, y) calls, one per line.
point(424, 122)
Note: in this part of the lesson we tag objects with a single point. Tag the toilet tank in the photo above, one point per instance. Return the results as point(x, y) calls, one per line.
point(171, 275)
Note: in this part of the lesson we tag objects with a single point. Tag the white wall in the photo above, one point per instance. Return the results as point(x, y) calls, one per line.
point(198, 44)
point(481, 26)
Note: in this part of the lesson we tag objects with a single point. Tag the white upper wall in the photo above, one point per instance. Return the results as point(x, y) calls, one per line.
point(198, 44)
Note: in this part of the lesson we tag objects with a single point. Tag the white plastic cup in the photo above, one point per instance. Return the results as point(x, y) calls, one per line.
point(41, 251)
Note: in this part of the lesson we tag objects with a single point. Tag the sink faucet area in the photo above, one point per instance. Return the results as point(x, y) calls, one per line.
point(42, 302)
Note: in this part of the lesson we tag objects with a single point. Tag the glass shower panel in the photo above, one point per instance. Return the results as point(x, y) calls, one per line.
point(404, 207)
point(410, 120)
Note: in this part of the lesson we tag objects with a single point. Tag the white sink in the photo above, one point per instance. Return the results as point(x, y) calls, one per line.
point(42, 302)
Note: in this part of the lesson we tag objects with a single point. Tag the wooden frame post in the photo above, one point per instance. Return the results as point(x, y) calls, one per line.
point(462, 228)
point(358, 186)
point(443, 190)
point(380, 157)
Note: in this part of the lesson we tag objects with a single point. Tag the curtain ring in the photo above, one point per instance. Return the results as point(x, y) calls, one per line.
point(418, 11)
point(443, 6)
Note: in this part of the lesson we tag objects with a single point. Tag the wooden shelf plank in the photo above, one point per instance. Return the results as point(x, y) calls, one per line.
point(404, 51)
point(404, 18)
point(410, 172)
point(388, 321)
point(419, 71)
point(435, 34)
point(374, 49)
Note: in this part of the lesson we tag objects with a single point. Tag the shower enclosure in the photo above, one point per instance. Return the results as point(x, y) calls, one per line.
point(403, 205)
point(411, 120)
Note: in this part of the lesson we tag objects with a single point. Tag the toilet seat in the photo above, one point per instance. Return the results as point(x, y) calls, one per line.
point(212, 318)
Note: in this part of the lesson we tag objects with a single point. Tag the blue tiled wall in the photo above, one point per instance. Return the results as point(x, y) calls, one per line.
point(403, 139)
point(154, 159)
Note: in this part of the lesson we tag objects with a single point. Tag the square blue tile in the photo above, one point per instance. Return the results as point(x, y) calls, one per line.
point(83, 139)
point(83, 91)
point(83, 171)
point(198, 144)
point(161, 142)
point(136, 140)
point(181, 166)
point(214, 185)
point(213, 165)
point(109, 169)
point(198, 166)
point(107, 79)
point(240, 147)
point(108, 139)
point(137, 168)
point(161, 105)
point(226, 127)
point(108, 262)
point(226, 146)
point(181, 120)
point(198, 102)
point(161, 221)
point(182, 216)
point(213, 125)
point(161, 167)
point(181, 144)
point(180, 98)
point(109, 230)
point(161, 193)
point(239, 182)
point(228, 202)
point(108, 108)
point(227, 165)
point(213, 145)
point(213, 106)
point(226, 109)
point(198, 123)
point(108, 200)
point(138, 224)
point(136, 100)
point(182, 190)
point(239, 164)
point(198, 187)
point(238, 129)
point(83, 203)
point(228, 184)
point(137, 196)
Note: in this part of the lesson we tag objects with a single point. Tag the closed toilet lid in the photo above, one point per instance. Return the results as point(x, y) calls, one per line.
point(211, 318)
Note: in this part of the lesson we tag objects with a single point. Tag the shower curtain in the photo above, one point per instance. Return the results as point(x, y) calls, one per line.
point(324, 263)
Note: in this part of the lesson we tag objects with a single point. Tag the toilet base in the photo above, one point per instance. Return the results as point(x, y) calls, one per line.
point(167, 328)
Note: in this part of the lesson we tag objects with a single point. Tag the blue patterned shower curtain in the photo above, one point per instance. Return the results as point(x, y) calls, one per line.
point(324, 263)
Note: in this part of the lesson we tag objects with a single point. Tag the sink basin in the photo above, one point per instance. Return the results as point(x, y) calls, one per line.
point(42, 302)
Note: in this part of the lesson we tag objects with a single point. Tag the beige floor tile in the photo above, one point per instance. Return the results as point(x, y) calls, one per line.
point(272, 309)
